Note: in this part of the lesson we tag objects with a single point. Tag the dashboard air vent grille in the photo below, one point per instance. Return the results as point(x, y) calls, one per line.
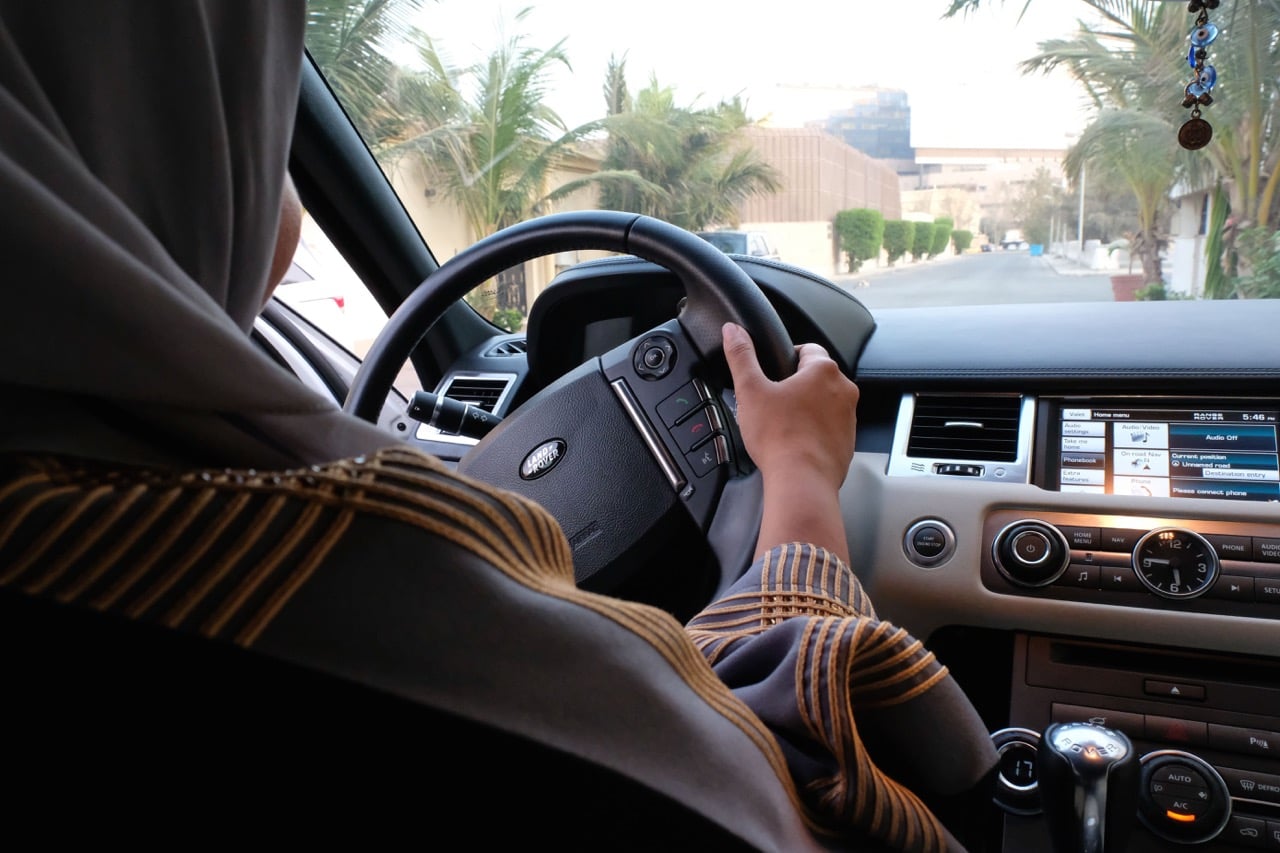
point(516, 346)
point(973, 428)
point(483, 393)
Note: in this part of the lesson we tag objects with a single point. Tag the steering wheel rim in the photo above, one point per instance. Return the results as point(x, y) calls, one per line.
point(718, 291)
point(623, 466)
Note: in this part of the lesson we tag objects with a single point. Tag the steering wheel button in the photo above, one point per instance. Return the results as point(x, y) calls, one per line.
point(708, 456)
point(680, 404)
point(654, 358)
point(694, 431)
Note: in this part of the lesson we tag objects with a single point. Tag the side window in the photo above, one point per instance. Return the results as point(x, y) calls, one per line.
point(321, 286)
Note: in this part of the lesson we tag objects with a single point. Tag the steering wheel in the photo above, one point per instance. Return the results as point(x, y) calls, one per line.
point(616, 447)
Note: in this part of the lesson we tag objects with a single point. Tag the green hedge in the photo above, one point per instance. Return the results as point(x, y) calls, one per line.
point(942, 227)
point(899, 237)
point(861, 233)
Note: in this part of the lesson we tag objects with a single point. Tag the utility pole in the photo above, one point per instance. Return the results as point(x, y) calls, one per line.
point(1080, 226)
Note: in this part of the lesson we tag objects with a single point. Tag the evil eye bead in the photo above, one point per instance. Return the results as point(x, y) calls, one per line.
point(1191, 57)
point(1204, 36)
point(1195, 90)
point(1208, 77)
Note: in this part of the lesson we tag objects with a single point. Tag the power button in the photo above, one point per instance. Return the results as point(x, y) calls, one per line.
point(929, 543)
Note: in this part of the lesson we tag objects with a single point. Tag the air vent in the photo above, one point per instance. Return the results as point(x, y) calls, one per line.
point(480, 392)
point(515, 346)
point(965, 427)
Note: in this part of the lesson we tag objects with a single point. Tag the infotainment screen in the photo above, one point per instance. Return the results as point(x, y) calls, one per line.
point(1211, 452)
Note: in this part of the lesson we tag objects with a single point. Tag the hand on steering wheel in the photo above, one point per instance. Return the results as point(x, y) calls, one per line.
point(628, 446)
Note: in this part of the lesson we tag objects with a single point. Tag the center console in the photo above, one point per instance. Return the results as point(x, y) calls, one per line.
point(1206, 728)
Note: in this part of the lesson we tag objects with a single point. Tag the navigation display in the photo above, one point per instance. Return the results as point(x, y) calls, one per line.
point(1223, 453)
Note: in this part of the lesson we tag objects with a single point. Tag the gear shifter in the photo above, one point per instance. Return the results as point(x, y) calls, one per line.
point(1088, 777)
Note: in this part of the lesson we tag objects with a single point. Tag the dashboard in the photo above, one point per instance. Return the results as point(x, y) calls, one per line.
point(1077, 507)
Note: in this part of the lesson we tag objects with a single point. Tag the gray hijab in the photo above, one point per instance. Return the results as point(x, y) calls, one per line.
point(143, 151)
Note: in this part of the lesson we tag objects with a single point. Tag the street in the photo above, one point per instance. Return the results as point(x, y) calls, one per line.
point(977, 279)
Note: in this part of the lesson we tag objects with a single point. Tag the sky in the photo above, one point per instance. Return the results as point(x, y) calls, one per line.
point(796, 60)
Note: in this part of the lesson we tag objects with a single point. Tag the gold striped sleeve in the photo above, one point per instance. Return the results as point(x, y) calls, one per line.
point(220, 553)
point(803, 623)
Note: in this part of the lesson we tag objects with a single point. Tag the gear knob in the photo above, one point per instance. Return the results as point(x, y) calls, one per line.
point(1088, 777)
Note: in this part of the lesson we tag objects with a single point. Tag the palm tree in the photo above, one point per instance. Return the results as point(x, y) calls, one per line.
point(347, 38)
point(493, 151)
point(1127, 65)
point(1243, 159)
point(695, 172)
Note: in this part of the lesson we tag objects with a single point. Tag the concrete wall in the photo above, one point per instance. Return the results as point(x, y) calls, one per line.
point(805, 244)
point(1186, 268)
point(821, 175)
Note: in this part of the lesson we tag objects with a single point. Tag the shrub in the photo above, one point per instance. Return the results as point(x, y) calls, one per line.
point(922, 240)
point(942, 228)
point(962, 240)
point(508, 319)
point(899, 236)
point(861, 233)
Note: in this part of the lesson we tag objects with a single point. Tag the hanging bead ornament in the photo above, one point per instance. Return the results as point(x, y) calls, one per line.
point(1197, 132)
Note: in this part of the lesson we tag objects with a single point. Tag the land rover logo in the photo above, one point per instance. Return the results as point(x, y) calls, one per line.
point(543, 458)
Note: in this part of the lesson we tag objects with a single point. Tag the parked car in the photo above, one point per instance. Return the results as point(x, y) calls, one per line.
point(1072, 504)
point(753, 243)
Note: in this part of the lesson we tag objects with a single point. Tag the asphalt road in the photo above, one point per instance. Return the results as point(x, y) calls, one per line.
point(979, 279)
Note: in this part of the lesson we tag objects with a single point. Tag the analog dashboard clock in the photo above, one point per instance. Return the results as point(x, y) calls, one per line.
point(1175, 563)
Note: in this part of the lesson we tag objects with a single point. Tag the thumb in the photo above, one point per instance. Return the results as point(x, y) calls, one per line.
point(740, 353)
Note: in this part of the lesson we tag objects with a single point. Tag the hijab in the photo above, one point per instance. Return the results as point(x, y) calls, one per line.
point(143, 156)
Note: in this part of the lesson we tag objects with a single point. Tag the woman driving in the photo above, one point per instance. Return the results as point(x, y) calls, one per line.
point(157, 466)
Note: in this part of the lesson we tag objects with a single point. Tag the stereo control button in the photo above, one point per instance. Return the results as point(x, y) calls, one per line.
point(1087, 538)
point(1119, 579)
point(1080, 575)
point(1232, 588)
point(1031, 553)
point(1118, 539)
point(1231, 547)
point(1266, 550)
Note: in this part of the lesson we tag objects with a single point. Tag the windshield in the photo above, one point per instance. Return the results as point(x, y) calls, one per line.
point(920, 152)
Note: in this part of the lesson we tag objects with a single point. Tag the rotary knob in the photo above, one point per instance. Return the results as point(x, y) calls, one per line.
point(1031, 553)
point(1182, 798)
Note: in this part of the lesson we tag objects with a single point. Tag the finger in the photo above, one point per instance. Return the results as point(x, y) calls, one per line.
point(810, 353)
point(740, 353)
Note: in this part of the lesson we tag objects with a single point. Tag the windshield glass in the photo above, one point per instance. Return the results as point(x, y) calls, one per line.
point(920, 152)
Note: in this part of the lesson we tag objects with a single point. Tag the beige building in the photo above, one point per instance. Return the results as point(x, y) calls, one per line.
point(821, 175)
point(974, 185)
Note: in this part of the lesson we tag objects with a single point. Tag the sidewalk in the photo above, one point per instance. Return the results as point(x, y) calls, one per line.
point(1066, 266)
point(868, 272)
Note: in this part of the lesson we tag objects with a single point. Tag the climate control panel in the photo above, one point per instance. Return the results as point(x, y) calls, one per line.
point(1201, 565)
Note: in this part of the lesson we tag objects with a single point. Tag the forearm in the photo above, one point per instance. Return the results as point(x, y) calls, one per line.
point(802, 508)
